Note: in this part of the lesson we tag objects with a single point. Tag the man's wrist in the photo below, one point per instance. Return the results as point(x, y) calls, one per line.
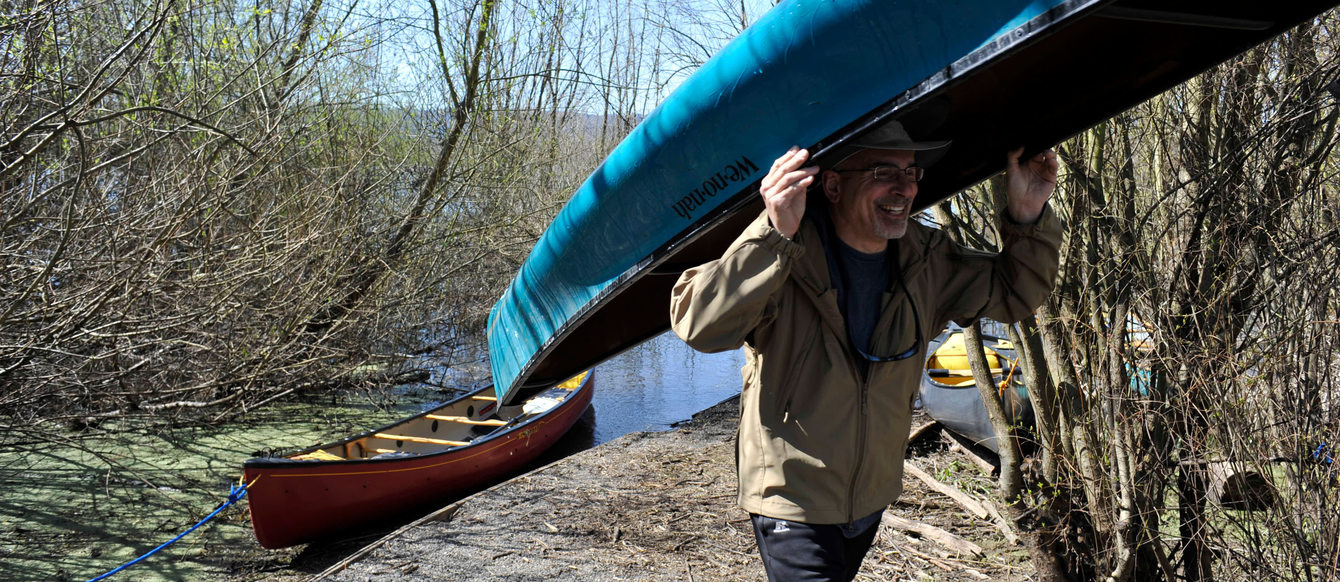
point(1012, 214)
point(788, 236)
point(782, 244)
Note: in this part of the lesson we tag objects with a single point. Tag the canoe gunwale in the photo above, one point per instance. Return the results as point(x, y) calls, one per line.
point(286, 462)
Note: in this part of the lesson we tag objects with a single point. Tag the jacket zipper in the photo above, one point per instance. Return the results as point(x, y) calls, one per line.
point(863, 386)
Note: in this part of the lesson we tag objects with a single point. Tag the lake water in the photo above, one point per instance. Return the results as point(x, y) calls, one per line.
point(659, 383)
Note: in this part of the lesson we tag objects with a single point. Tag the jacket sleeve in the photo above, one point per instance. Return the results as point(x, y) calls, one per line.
point(1008, 286)
point(714, 307)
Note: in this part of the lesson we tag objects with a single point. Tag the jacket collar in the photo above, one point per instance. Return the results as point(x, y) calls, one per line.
point(812, 268)
point(812, 274)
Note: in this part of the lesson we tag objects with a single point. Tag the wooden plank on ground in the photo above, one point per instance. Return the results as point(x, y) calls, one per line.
point(922, 431)
point(950, 541)
point(986, 466)
point(949, 491)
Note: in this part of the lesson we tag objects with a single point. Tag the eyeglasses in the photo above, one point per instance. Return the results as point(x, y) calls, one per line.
point(912, 351)
point(916, 315)
point(891, 173)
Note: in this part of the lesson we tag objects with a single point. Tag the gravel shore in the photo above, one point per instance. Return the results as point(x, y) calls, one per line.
point(661, 506)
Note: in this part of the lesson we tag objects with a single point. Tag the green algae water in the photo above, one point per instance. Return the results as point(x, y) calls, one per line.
point(80, 504)
point(76, 505)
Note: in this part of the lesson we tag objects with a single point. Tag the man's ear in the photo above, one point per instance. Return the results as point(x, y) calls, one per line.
point(832, 184)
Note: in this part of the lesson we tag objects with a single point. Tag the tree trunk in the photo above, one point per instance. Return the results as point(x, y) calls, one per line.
point(366, 275)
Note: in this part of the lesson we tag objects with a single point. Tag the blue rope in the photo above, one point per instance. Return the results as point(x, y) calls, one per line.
point(1319, 452)
point(235, 493)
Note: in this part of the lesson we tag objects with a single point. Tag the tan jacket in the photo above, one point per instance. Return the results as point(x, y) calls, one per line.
point(817, 443)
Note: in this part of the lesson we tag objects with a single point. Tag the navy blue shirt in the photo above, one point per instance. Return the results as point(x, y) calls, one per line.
point(862, 279)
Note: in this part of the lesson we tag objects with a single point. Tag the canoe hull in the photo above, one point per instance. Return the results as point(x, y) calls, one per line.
point(961, 410)
point(294, 502)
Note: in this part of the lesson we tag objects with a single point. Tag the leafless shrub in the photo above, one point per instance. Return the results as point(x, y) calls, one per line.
point(210, 205)
point(1192, 335)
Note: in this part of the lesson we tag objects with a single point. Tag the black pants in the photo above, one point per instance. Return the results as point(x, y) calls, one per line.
point(799, 551)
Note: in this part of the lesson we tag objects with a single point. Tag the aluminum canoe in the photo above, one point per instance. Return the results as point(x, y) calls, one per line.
point(949, 394)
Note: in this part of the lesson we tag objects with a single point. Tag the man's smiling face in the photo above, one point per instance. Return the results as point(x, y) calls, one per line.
point(866, 212)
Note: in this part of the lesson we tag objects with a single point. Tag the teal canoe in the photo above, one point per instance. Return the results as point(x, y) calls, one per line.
point(989, 74)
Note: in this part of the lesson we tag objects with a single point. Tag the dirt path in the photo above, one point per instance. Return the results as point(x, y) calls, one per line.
point(661, 506)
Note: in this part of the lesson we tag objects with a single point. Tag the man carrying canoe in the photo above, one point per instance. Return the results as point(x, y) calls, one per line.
point(833, 299)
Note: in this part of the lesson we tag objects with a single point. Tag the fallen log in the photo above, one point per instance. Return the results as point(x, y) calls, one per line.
point(968, 502)
point(949, 491)
point(987, 467)
point(922, 431)
point(1233, 486)
point(950, 541)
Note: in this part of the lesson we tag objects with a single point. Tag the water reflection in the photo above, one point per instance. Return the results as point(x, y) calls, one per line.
point(659, 383)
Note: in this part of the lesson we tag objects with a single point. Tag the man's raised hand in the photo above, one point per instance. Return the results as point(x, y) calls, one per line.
point(783, 190)
point(1029, 184)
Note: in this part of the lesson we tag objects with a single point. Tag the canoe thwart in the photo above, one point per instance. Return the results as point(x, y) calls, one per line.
point(467, 420)
point(419, 439)
point(943, 373)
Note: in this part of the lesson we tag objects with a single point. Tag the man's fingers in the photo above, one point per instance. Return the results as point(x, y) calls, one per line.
point(796, 159)
point(783, 189)
point(1043, 161)
point(792, 159)
point(789, 190)
point(789, 156)
point(785, 177)
point(779, 169)
point(1048, 164)
point(805, 175)
point(798, 181)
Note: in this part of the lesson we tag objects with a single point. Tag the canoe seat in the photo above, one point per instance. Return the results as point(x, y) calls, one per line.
point(418, 439)
point(465, 420)
point(318, 455)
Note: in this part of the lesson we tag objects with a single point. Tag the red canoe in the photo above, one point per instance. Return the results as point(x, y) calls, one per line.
point(450, 450)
